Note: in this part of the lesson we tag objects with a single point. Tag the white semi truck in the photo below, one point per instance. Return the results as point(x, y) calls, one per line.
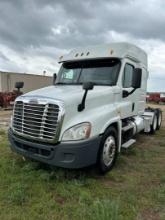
point(94, 108)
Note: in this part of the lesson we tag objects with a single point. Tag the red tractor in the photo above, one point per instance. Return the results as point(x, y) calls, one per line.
point(7, 98)
point(153, 97)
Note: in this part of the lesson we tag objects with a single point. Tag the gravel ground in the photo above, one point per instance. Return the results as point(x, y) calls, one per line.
point(5, 119)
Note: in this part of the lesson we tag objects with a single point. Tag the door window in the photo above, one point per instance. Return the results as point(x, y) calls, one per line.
point(128, 75)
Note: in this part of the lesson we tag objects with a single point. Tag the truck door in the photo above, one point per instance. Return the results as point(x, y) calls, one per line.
point(130, 103)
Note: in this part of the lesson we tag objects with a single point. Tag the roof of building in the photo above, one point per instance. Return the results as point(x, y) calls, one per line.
point(31, 74)
point(111, 50)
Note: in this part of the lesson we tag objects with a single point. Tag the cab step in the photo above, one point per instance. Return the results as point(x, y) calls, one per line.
point(128, 143)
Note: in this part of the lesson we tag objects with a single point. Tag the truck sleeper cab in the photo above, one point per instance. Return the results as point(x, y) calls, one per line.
point(95, 107)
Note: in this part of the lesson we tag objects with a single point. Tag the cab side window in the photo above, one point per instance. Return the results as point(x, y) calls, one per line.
point(128, 75)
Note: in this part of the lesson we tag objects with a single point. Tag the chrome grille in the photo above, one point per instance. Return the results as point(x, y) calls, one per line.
point(36, 120)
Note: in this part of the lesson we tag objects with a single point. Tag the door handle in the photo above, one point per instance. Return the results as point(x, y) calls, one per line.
point(133, 106)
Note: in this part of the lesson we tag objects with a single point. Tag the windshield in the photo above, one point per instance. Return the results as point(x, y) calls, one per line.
point(100, 72)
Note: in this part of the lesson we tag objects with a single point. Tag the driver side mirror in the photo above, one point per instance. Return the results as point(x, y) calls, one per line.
point(54, 78)
point(19, 85)
point(88, 85)
point(137, 76)
point(136, 82)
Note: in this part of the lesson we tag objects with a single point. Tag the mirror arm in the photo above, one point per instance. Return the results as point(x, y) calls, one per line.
point(133, 90)
point(81, 106)
point(129, 93)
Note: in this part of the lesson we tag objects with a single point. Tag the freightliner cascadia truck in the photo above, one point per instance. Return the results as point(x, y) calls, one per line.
point(95, 107)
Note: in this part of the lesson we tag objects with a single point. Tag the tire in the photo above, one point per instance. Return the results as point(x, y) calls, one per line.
point(159, 118)
point(154, 124)
point(108, 151)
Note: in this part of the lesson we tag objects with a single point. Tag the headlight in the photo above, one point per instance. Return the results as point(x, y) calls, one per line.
point(78, 132)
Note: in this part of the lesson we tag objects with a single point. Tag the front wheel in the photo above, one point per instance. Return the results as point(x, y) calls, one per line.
point(108, 150)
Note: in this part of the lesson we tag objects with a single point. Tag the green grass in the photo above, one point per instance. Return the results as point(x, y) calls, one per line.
point(133, 190)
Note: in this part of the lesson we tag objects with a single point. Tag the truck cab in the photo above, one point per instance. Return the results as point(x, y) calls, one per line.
point(95, 107)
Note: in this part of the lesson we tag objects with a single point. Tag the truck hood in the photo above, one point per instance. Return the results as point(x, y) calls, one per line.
point(98, 103)
point(68, 94)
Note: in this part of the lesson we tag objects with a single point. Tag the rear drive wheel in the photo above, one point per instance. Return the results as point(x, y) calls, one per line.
point(154, 124)
point(159, 117)
point(108, 150)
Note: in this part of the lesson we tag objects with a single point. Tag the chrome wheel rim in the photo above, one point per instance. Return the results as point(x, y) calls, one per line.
point(159, 119)
point(109, 149)
point(155, 123)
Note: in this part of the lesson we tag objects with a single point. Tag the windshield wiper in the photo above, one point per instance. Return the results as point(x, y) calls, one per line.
point(97, 84)
point(103, 84)
point(61, 83)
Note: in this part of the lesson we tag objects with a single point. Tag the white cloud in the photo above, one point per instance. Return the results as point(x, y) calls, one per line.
point(35, 33)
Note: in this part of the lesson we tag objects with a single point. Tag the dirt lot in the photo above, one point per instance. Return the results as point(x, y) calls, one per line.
point(5, 119)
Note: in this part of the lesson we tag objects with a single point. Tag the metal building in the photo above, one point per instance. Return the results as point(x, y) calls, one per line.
point(31, 81)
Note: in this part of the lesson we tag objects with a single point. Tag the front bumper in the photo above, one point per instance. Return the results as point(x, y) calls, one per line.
point(68, 155)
